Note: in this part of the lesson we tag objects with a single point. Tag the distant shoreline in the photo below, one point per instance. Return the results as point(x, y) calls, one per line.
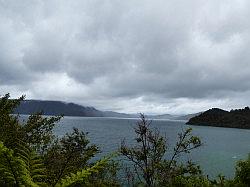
point(56, 108)
point(133, 118)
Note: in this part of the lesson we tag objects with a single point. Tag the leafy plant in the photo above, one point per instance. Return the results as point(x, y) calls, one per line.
point(243, 171)
point(148, 154)
point(32, 156)
point(13, 169)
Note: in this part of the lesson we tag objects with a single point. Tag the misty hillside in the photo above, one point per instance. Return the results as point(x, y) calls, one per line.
point(119, 115)
point(67, 109)
point(56, 108)
point(70, 109)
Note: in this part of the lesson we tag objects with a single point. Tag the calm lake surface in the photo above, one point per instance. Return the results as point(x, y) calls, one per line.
point(222, 148)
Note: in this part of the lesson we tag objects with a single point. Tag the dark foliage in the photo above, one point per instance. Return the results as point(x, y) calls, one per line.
point(147, 156)
point(31, 155)
point(220, 118)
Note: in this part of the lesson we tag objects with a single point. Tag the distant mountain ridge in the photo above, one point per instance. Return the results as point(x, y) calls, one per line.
point(71, 109)
point(239, 118)
point(56, 108)
point(28, 107)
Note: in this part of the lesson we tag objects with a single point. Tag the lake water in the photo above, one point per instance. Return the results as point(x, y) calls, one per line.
point(222, 148)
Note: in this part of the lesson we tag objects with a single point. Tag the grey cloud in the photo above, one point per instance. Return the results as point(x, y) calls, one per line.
point(45, 53)
point(227, 20)
point(12, 70)
point(145, 51)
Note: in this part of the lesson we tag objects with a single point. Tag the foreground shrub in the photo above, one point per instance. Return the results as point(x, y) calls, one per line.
point(31, 155)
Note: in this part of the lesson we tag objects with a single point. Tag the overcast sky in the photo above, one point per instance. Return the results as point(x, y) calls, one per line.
point(160, 56)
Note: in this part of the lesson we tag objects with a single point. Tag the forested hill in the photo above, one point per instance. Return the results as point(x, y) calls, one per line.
point(239, 118)
point(56, 108)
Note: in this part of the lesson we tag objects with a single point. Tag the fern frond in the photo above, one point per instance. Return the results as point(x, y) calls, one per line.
point(33, 162)
point(82, 176)
point(13, 169)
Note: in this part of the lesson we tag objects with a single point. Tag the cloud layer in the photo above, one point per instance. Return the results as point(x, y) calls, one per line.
point(130, 56)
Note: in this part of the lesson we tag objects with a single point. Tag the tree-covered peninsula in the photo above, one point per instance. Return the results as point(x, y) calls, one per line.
point(239, 118)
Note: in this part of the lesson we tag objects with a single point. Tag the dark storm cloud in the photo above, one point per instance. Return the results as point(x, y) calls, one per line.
point(149, 56)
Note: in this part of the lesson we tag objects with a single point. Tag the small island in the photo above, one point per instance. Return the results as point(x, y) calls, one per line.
point(239, 118)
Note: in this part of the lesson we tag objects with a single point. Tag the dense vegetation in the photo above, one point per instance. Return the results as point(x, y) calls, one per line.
point(31, 155)
point(239, 118)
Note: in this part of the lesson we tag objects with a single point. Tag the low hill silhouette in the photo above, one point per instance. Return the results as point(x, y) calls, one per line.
point(239, 118)
point(56, 108)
